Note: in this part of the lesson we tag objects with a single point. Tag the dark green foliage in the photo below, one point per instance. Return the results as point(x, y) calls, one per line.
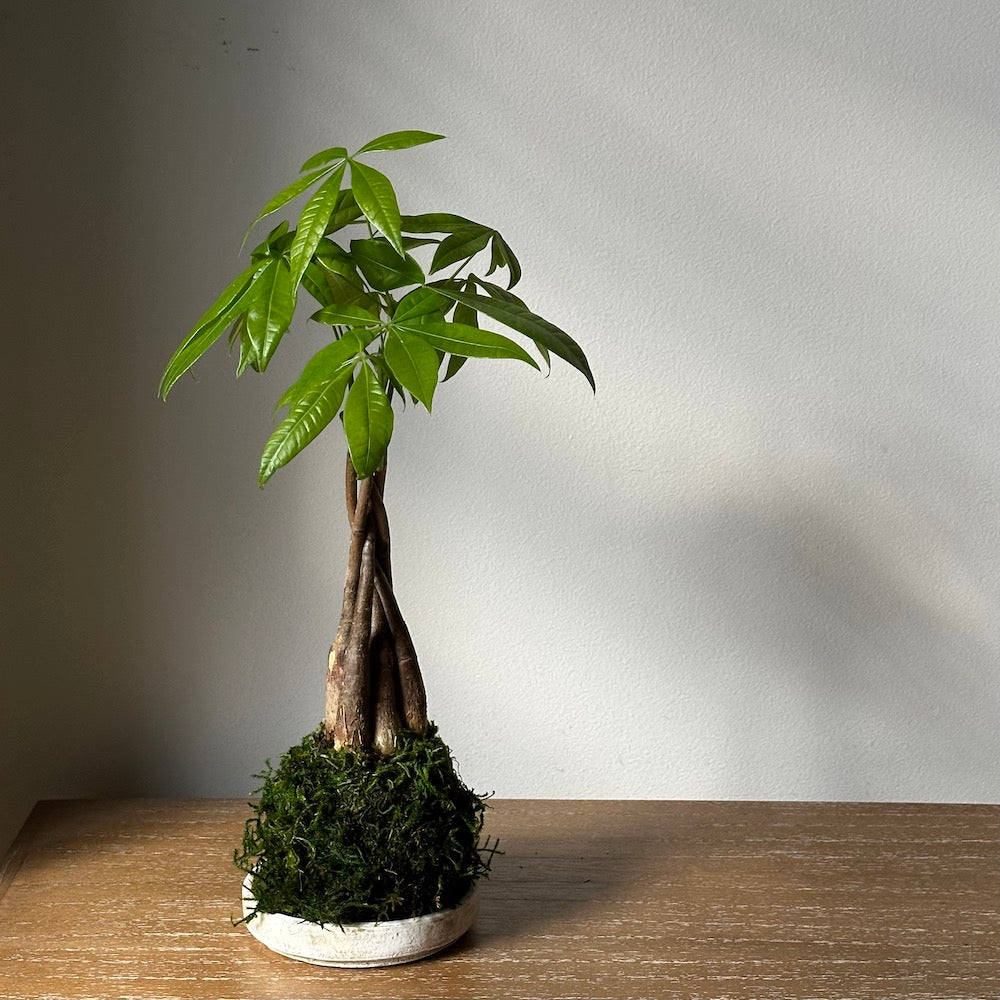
point(340, 836)
point(351, 251)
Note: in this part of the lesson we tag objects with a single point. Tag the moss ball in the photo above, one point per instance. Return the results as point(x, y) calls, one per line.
point(340, 836)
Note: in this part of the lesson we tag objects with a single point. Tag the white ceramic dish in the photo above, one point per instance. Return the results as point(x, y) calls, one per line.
point(362, 945)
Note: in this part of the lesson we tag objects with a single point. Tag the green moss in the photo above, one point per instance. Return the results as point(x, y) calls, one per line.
point(340, 836)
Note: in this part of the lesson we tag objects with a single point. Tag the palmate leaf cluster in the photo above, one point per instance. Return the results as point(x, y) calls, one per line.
point(394, 333)
point(339, 836)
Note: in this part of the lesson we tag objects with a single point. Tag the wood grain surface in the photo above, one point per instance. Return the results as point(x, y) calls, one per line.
point(133, 899)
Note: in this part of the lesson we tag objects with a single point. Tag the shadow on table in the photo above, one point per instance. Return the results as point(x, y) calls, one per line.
point(545, 884)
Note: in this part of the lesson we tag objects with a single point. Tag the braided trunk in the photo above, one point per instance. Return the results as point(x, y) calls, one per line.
point(373, 683)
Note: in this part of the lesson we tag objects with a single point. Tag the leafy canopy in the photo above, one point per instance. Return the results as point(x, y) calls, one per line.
point(394, 333)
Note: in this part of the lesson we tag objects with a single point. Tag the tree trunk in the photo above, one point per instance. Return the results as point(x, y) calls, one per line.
point(373, 683)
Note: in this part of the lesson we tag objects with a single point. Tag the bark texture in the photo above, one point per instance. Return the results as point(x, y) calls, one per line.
point(373, 683)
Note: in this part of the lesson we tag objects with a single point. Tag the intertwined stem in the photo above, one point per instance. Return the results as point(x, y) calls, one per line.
point(373, 684)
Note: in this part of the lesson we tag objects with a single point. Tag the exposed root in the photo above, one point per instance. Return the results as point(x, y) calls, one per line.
point(374, 688)
point(413, 696)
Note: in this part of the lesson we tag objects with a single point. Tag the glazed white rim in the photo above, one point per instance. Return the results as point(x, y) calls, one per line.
point(358, 945)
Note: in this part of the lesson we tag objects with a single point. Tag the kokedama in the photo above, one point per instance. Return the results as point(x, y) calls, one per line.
point(366, 819)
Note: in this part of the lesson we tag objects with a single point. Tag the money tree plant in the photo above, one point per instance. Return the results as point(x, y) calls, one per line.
point(405, 301)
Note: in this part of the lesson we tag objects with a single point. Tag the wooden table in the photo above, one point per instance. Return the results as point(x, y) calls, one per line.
point(133, 899)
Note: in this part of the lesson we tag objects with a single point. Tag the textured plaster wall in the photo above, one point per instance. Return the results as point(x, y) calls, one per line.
point(761, 563)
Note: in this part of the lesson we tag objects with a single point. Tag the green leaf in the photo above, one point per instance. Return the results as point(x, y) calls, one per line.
point(329, 156)
point(208, 329)
point(345, 212)
point(521, 319)
point(413, 363)
point(330, 289)
point(383, 268)
point(313, 401)
point(466, 341)
point(288, 194)
point(270, 311)
point(503, 256)
point(236, 330)
point(327, 363)
point(248, 356)
point(462, 244)
point(309, 415)
point(367, 422)
point(312, 224)
point(274, 244)
point(342, 315)
point(315, 280)
point(494, 291)
point(333, 256)
point(455, 362)
point(412, 242)
point(435, 222)
point(375, 197)
point(398, 140)
point(459, 227)
point(275, 234)
point(505, 295)
point(238, 335)
point(332, 278)
point(466, 314)
point(420, 303)
point(468, 317)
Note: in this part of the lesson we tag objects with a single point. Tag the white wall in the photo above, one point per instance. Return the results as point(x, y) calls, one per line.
point(761, 563)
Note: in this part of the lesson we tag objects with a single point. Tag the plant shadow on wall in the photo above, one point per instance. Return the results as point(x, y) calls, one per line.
point(858, 625)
